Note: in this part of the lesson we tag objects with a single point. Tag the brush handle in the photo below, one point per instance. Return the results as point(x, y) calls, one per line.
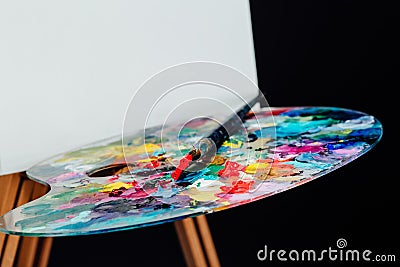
point(231, 126)
point(208, 146)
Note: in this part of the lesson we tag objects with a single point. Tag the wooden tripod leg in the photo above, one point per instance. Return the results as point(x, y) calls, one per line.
point(192, 246)
point(15, 190)
point(29, 247)
point(44, 255)
point(208, 242)
point(190, 243)
point(9, 185)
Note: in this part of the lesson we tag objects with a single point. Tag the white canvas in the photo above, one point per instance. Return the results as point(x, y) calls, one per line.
point(68, 69)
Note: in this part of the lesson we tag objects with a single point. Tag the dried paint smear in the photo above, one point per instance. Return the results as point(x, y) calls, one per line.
point(294, 146)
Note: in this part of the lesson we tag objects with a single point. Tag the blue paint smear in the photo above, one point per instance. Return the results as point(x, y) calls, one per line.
point(316, 159)
point(290, 129)
point(345, 145)
point(334, 113)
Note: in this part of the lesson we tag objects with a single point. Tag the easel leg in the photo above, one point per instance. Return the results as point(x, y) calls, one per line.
point(192, 246)
point(208, 242)
point(15, 190)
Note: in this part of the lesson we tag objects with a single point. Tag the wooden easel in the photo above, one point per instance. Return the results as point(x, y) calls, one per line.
point(23, 251)
point(198, 252)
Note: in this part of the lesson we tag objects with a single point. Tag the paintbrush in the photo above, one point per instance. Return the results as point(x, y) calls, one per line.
point(204, 150)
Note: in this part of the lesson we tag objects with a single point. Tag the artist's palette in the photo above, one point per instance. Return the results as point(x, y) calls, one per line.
point(92, 191)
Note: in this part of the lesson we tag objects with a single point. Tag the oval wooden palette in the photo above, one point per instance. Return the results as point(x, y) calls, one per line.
point(93, 190)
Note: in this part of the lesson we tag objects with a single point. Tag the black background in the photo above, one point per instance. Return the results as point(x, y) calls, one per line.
point(324, 53)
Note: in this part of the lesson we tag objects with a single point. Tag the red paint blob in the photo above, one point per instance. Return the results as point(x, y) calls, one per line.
point(231, 169)
point(183, 164)
point(238, 187)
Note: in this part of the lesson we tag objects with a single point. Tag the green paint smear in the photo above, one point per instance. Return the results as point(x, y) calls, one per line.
point(41, 220)
point(91, 188)
point(331, 134)
point(213, 169)
point(39, 209)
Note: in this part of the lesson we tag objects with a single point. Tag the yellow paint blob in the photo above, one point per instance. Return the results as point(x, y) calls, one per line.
point(256, 167)
point(218, 160)
point(150, 159)
point(202, 196)
point(237, 144)
point(117, 185)
point(93, 154)
point(149, 148)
